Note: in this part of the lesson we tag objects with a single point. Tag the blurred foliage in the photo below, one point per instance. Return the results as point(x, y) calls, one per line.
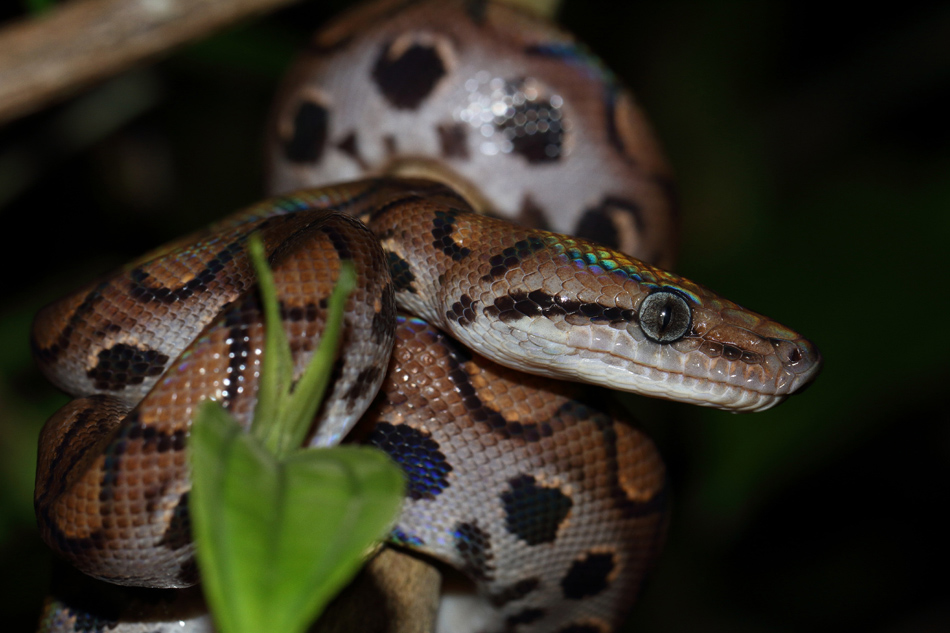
point(811, 150)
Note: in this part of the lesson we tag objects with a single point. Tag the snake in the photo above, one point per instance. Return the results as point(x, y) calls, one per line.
point(511, 221)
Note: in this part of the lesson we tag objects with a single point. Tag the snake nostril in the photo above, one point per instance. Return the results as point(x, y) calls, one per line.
point(795, 356)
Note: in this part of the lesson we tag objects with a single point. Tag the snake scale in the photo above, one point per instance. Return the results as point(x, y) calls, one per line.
point(547, 499)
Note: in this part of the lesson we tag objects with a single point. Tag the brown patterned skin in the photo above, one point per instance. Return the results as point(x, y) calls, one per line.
point(508, 109)
point(112, 483)
point(582, 493)
point(553, 506)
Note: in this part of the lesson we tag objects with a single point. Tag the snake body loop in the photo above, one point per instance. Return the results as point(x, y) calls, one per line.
point(463, 324)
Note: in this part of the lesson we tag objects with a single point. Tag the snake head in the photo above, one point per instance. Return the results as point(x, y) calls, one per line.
point(711, 351)
point(594, 315)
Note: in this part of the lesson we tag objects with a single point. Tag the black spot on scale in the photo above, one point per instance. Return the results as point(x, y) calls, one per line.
point(426, 467)
point(527, 616)
point(309, 136)
point(473, 545)
point(512, 256)
point(350, 147)
point(534, 127)
point(401, 273)
point(123, 365)
point(153, 439)
point(462, 311)
point(453, 139)
point(307, 312)
point(570, 414)
point(534, 513)
point(178, 533)
point(237, 320)
point(51, 353)
point(340, 244)
point(384, 320)
point(520, 305)
point(60, 541)
point(457, 356)
point(588, 575)
point(407, 77)
point(599, 223)
point(366, 382)
point(515, 592)
point(144, 293)
point(443, 226)
point(95, 420)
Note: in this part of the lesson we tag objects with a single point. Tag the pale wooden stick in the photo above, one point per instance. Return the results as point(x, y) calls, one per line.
point(395, 593)
point(46, 58)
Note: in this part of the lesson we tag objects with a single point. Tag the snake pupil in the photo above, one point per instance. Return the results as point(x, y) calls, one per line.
point(665, 316)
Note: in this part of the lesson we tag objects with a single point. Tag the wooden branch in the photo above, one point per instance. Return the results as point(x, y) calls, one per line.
point(49, 57)
point(395, 593)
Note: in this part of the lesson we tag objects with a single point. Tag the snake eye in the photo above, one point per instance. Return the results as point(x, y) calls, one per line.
point(665, 316)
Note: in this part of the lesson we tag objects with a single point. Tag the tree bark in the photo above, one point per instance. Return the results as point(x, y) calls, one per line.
point(395, 593)
point(46, 58)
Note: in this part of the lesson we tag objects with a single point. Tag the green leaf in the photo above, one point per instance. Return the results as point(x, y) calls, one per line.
point(285, 411)
point(277, 365)
point(278, 539)
point(302, 403)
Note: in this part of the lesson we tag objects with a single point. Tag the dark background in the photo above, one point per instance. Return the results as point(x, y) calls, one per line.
point(811, 150)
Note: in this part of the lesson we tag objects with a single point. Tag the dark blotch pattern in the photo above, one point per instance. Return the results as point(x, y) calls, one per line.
point(366, 380)
point(572, 411)
point(514, 592)
point(401, 273)
point(407, 80)
point(178, 533)
point(49, 354)
point(309, 312)
point(474, 547)
point(462, 311)
point(453, 140)
point(309, 134)
point(597, 224)
point(153, 439)
point(533, 127)
point(384, 321)
point(141, 291)
point(588, 576)
point(350, 147)
point(534, 513)
point(237, 321)
point(519, 305)
point(403, 538)
point(340, 244)
point(123, 365)
point(526, 616)
point(478, 410)
point(443, 226)
point(512, 257)
point(426, 467)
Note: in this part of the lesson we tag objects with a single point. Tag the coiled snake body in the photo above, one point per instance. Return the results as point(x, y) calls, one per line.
point(554, 507)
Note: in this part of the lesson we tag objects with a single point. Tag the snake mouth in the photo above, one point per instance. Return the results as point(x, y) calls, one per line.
point(694, 372)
